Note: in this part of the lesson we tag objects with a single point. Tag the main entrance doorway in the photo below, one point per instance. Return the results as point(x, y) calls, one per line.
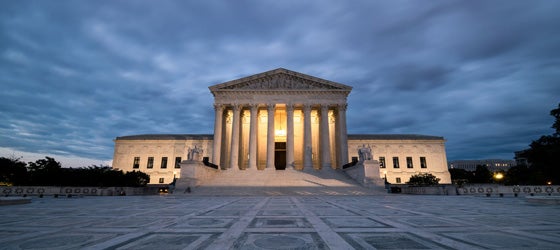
point(280, 155)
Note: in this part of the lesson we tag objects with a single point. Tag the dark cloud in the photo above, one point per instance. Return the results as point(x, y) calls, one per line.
point(74, 75)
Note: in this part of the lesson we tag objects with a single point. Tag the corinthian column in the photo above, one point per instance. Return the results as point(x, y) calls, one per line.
point(290, 136)
point(270, 137)
point(234, 154)
point(307, 150)
point(342, 136)
point(217, 149)
point(253, 137)
point(325, 142)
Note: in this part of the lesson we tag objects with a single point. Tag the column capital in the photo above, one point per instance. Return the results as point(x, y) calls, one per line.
point(236, 106)
point(270, 106)
point(307, 107)
point(253, 106)
point(342, 107)
point(218, 107)
point(290, 107)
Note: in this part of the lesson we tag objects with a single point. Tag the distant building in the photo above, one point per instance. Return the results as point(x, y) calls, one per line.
point(491, 164)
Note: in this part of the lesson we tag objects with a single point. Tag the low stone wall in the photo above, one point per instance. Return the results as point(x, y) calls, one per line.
point(74, 191)
point(500, 190)
point(478, 189)
point(423, 190)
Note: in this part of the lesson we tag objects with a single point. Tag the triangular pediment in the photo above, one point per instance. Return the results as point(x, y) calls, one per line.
point(279, 79)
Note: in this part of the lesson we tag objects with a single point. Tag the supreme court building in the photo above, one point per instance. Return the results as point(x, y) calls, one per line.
point(276, 120)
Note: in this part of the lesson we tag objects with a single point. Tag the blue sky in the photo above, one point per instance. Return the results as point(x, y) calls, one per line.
point(77, 74)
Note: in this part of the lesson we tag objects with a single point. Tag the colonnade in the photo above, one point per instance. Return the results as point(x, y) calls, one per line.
point(340, 149)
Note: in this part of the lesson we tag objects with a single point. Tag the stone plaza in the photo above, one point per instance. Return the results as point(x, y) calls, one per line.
point(386, 221)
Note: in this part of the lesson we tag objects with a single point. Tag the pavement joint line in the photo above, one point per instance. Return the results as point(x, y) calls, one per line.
point(142, 231)
point(230, 236)
point(329, 236)
point(419, 232)
point(532, 235)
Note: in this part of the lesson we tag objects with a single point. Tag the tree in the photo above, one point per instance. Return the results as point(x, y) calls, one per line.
point(544, 155)
point(482, 175)
point(423, 179)
point(136, 179)
point(12, 171)
point(45, 172)
point(461, 176)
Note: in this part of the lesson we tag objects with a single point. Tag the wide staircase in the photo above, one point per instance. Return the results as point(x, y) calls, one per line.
point(279, 182)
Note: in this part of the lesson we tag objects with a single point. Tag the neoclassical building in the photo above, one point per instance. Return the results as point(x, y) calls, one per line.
point(276, 120)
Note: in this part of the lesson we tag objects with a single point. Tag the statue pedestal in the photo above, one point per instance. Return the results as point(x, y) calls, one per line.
point(366, 173)
point(193, 173)
point(372, 174)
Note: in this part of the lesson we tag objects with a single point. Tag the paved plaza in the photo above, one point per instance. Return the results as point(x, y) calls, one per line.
point(280, 222)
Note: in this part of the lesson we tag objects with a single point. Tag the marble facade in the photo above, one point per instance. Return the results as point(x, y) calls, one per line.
point(276, 120)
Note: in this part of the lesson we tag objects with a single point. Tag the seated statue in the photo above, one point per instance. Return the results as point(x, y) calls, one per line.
point(195, 154)
point(364, 153)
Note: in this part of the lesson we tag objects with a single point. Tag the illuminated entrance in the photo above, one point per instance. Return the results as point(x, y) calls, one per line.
point(280, 155)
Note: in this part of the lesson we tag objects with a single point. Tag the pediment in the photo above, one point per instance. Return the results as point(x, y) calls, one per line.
point(279, 79)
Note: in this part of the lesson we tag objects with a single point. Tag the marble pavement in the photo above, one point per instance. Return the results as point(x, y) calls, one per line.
point(280, 222)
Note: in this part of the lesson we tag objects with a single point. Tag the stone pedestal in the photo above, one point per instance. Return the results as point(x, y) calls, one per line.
point(366, 173)
point(371, 174)
point(193, 173)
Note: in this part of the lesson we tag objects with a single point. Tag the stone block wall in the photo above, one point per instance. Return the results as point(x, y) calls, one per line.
point(74, 191)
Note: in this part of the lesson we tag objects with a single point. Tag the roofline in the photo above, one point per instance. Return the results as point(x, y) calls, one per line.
point(166, 137)
point(218, 87)
point(394, 137)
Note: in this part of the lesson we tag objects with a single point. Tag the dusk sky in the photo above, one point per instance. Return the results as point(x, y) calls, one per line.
point(76, 74)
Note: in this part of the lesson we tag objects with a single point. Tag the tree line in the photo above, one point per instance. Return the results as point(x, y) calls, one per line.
point(543, 158)
point(49, 172)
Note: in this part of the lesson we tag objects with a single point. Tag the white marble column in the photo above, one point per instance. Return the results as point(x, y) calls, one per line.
point(290, 136)
point(342, 136)
point(253, 137)
point(325, 142)
point(218, 126)
point(307, 148)
point(234, 154)
point(270, 137)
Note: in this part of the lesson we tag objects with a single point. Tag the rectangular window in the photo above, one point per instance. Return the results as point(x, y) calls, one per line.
point(161, 180)
point(382, 162)
point(398, 179)
point(409, 162)
point(150, 162)
point(396, 162)
point(177, 161)
point(423, 162)
point(136, 163)
point(163, 162)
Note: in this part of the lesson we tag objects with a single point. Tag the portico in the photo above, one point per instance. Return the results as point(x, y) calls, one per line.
point(280, 119)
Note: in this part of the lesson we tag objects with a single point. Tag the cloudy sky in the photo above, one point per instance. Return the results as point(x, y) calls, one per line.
point(76, 74)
